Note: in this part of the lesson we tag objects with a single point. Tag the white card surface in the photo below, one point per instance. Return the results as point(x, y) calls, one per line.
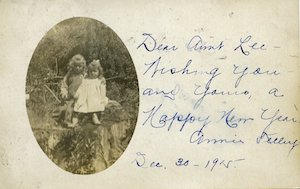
point(218, 94)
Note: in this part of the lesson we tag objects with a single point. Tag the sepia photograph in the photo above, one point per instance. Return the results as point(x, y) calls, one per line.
point(82, 95)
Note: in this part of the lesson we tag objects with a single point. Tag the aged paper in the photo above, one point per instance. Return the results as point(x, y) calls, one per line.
point(218, 94)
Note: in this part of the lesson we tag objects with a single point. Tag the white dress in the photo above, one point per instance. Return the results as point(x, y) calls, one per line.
point(91, 96)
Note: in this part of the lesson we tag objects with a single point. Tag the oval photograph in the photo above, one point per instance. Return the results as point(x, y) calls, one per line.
point(82, 95)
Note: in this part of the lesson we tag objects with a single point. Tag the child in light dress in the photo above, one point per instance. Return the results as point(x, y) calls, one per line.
point(90, 97)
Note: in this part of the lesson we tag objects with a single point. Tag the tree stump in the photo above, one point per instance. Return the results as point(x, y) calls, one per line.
point(88, 148)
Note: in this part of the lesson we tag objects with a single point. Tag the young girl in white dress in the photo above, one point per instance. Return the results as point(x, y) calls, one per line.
point(91, 94)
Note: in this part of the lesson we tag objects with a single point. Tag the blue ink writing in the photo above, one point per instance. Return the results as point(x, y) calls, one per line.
point(275, 92)
point(273, 138)
point(162, 120)
point(270, 138)
point(197, 44)
point(276, 117)
point(181, 162)
point(198, 137)
point(140, 161)
point(151, 45)
point(245, 71)
point(232, 120)
point(167, 94)
point(208, 91)
point(246, 45)
point(185, 70)
point(212, 164)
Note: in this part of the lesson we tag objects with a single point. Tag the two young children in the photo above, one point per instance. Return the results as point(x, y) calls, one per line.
point(85, 93)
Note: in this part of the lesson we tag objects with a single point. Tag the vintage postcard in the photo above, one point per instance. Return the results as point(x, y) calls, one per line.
point(140, 94)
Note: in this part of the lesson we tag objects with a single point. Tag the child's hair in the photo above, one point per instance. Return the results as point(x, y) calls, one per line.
point(95, 65)
point(75, 60)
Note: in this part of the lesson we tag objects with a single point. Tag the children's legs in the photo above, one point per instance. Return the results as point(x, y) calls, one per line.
point(75, 119)
point(81, 117)
point(69, 112)
point(101, 115)
point(95, 119)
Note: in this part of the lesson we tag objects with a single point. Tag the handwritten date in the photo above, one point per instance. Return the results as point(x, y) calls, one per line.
point(141, 161)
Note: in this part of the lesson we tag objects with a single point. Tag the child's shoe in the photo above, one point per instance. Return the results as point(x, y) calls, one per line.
point(95, 119)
